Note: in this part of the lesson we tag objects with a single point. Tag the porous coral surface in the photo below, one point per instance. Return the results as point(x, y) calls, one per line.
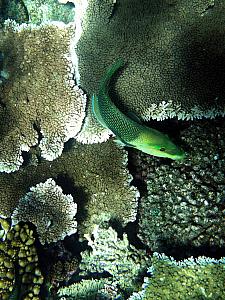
point(95, 175)
point(40, 101)
point(200, 278)
point(52, 212)
point(184, 206)
point(174, 54)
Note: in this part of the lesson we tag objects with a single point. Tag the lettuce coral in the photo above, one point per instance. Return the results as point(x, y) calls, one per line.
point(175, 54)
point(200, 278)
point(52, 212)
point(40, 101)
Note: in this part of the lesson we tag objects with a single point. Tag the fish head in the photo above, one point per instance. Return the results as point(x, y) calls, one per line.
point(160, 145)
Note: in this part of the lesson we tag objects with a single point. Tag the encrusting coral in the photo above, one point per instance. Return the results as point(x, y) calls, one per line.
point(175, 55)
point(184, 206)
point(97, 188)
point(19, 267)
point(52, 212)
point(40, 101)
point(200, 278)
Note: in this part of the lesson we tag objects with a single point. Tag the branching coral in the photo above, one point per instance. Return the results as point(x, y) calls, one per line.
point(184, 207)
point(52, 212)
point(40, 101)
point(49, 10)
point(113, 255)
point(201, 278)
point(19, 267)
point(84, 290)
point(175, 54)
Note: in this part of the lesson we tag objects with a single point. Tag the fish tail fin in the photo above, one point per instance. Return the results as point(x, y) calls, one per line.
point(108, 75)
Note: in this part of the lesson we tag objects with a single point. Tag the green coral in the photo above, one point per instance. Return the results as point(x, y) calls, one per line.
point(19, 267)
point(123, 262)
point(84, 290)
point(49, 10)
point(192, 279)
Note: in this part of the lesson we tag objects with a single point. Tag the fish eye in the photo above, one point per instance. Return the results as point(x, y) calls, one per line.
point(162, 149)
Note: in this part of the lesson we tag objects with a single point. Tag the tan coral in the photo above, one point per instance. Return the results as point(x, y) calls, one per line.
point(98, 188)
point(49, 210)
point(40, 97)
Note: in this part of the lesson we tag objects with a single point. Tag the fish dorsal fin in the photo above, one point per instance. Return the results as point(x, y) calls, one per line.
point(134, 117)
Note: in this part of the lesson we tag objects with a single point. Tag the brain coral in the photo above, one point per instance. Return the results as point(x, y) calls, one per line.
point(52, 212)
point(184, 206)
point(83, 171)
point(40, 102)
point(200, 278)
point(175, 54)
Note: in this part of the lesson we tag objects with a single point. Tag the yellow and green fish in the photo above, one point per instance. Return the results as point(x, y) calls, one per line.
point(128, 131)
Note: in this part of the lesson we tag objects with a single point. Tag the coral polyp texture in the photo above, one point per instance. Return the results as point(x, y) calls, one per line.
point(174, 54)
point(192, 278)
point(96, 174)
point(19, 267)
point(184, 206)
point(52, 212)
point(40, 101)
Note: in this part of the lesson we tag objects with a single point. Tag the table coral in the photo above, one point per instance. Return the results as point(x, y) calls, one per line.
point(52, 212)
point(40, 101)
point(200, 278)
point(184, 206)
point(96, 176)
point(19, 267)
point(175, 54)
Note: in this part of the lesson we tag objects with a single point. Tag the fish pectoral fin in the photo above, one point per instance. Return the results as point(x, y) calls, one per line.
point(95, 110)
point(134, 117)
point(120, 142)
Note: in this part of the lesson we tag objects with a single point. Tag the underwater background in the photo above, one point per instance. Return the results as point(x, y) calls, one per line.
point(120, 195)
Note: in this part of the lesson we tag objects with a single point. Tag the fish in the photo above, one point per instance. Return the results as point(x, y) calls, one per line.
point(130, 131)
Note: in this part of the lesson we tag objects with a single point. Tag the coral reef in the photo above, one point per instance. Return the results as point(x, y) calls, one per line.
point(184, 206)
point(14, 10)
point(52, 212)
point(175, 53)
point(97, 188)
point(49, 10)
point(115, 256)
point(40, 101)
point(19, 267)
point(84, 290)
point(201, 278)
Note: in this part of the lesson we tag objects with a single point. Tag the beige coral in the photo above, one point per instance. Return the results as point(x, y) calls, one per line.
point(49, 209)
point(40, 99)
